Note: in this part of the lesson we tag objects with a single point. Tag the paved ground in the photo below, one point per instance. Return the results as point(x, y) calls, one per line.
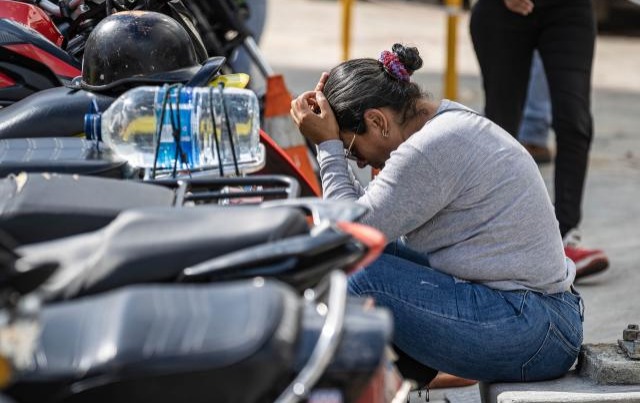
point(302, 38)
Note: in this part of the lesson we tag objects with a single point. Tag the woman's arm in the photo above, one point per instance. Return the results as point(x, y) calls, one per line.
point(313, 115)
point(338, 180)
point(408, 192)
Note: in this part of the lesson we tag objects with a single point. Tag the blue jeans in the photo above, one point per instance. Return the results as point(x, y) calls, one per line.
point(536, 117)
point(471, 330)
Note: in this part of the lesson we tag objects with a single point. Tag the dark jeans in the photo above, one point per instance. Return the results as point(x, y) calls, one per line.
point(563, 31)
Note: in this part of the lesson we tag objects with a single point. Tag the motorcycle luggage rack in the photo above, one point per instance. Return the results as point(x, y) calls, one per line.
point(247, 190)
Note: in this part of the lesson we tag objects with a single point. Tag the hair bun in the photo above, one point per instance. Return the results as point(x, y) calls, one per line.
point(408, 56)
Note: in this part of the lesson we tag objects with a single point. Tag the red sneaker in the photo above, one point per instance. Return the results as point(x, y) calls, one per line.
point(587, 261)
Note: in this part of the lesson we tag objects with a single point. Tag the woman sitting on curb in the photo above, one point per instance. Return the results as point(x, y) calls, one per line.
point(475, 274)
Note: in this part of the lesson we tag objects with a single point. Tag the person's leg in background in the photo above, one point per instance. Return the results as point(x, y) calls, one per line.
point(504, 42)
point(566, 46)
point(564, 34)
point(536, 120)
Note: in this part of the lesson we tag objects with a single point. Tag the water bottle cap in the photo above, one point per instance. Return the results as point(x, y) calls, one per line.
point(92, 123)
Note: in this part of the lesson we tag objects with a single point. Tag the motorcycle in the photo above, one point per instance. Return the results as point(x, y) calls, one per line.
point(82, 153)
point(197, 343)
point(245, 244)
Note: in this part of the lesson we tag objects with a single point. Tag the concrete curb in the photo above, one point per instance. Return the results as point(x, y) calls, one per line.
point(606, 364)
point(557, 397)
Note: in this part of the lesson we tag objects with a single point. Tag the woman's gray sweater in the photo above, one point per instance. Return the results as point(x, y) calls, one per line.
point(469, 196)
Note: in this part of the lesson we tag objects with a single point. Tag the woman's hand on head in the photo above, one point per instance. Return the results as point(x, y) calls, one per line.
point(522, 7)
point(313, 116)
point(322, 81)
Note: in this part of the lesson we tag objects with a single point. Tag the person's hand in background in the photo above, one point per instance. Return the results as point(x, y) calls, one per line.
point(522, 7)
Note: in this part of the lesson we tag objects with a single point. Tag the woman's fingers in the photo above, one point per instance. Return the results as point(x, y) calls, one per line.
point(304, 103)
point(323, 80)
point(322, 103)
point(308, 102)
point(313, 116)
point(303, 108)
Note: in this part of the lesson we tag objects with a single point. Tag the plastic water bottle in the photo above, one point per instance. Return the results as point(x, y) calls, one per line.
point(214, 128)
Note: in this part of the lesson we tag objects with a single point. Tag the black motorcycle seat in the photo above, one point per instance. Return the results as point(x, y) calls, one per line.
point(55, 112)
point(70, 155)
point(156, 244)
point(166, 343)
point(42, 207)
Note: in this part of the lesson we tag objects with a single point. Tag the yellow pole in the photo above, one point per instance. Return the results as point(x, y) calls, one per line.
point(451, 74)
point(346, 28)
point(5, 372)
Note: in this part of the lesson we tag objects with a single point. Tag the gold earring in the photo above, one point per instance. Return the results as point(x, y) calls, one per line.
point(385, 133)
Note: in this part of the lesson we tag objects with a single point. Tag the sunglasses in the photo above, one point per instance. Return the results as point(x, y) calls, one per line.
point(347, 152)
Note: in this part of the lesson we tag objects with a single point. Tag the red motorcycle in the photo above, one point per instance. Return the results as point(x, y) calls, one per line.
point(31, 57)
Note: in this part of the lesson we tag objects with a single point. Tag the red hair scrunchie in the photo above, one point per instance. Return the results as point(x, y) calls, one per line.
point(394, 66)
